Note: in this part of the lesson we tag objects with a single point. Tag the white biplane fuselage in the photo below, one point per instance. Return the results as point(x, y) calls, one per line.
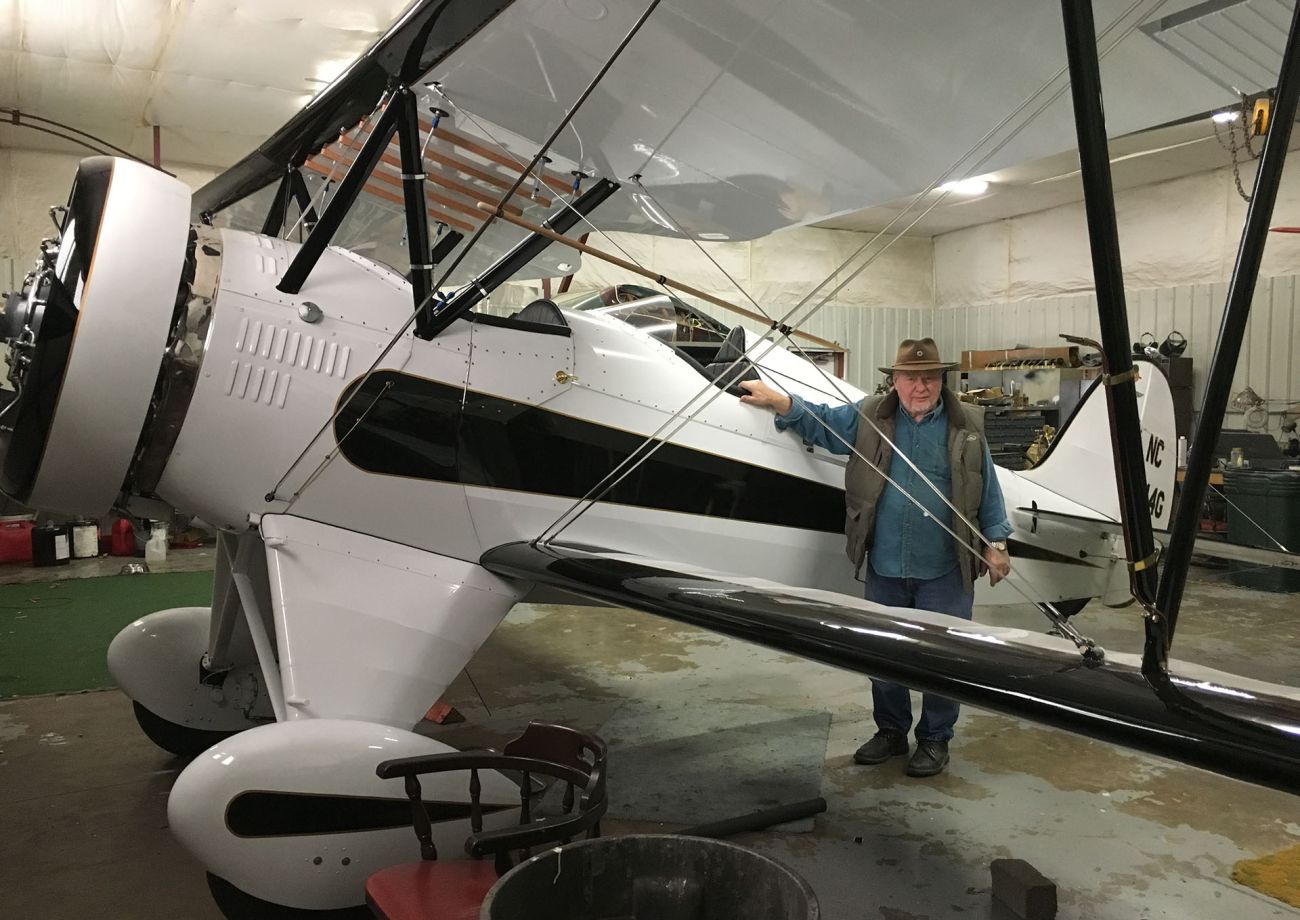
point(349, 592)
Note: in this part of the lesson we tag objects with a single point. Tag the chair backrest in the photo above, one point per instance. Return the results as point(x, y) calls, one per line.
point(543, 750)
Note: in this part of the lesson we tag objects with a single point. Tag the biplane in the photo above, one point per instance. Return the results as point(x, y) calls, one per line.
point(294, 355)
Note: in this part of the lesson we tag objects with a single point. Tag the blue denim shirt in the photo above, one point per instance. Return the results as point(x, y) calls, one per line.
point(908, 543)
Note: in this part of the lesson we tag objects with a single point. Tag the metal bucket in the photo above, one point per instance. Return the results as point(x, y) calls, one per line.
point(650, 877)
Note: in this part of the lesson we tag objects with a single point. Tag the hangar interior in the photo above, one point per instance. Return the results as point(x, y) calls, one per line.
point(701, 726)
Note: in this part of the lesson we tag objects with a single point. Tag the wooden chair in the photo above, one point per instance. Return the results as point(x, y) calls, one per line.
point(434, 889)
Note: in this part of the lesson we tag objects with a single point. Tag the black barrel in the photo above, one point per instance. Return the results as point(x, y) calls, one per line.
point(51, 544)
point(650, 877)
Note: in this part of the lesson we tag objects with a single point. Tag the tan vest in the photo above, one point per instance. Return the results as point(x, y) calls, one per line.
point(863, 486)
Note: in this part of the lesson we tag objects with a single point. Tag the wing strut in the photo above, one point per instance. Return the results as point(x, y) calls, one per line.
point(505, 267)
point(291, 186)
point(417, 209)
point(1232, 330)
point(1108, 275)
point(343, 199)
point(274, 221)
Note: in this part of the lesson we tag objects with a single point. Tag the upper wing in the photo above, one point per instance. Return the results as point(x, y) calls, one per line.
point(739, 117)
point(1217, 721)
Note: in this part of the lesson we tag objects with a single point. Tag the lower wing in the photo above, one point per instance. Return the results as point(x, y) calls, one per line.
point(1210, 719)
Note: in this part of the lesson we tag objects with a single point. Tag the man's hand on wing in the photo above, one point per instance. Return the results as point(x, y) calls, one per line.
point(765, 397)
point(998, 563)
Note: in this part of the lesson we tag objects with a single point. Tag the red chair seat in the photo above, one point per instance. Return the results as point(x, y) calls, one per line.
point(431, 890)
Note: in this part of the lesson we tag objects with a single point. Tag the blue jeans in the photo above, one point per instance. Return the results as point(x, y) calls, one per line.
point(892, 702)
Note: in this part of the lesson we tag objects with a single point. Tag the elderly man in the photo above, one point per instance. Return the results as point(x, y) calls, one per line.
point(912, 561)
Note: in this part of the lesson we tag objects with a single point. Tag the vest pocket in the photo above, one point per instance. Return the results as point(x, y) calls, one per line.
point(855, 531)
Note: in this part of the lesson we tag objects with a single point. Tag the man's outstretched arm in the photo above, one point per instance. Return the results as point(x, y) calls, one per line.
point(813, 422)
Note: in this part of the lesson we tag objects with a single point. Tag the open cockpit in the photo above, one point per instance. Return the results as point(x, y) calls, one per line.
point(707, 345)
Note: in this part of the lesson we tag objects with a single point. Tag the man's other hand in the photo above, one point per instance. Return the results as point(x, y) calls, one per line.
point(765, 397)
point(997, 562)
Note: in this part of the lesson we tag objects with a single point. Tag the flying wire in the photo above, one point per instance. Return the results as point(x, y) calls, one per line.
point(637, 457)
point(1059, 620)
point(1241, 511)
point(645, 451)
point(317, 200)
point(473, 240)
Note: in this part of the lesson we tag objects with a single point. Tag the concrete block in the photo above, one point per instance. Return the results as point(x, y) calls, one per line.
point(1024, 891)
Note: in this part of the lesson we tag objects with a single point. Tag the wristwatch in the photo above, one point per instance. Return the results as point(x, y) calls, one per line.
point(1000, 545)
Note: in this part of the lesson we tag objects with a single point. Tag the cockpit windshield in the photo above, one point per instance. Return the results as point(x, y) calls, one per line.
point(713, 349)
point(668, 319)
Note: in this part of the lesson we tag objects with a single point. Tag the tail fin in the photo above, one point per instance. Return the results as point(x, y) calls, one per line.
point(1080, 465)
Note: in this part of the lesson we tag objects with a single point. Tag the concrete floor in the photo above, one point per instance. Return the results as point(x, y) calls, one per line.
point(82, 793)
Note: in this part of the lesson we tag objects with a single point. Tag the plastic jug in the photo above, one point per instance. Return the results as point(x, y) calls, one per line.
point(156, 549)
point(123, 538)
point(16, 540)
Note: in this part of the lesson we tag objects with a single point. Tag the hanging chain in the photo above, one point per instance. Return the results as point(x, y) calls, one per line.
point(1226, 135)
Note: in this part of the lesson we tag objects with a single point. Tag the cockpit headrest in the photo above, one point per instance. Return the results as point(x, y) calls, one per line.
point(541, 311)
point(733, 346)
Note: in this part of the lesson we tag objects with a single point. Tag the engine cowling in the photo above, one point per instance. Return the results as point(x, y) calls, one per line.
point(87, 336)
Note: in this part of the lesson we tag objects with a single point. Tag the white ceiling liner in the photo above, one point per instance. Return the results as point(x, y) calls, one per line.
point(217, 75)
point(815, 99)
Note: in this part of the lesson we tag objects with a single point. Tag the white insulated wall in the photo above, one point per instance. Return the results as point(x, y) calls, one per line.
point(33, 180)
point(1183, 231)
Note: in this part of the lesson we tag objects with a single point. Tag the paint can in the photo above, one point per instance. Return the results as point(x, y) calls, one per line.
point(85, 539)
point(51, 544)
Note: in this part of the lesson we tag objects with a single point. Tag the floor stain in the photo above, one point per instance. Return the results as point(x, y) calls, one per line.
point(585, 636)
point(855, 779)
point(893, 913)
point(1069, 762)
point(10, 728)
point(1167, 794)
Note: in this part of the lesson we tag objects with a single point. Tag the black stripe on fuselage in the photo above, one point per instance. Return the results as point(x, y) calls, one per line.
point(288, 814)
point(1022, 550)
point(416, 428)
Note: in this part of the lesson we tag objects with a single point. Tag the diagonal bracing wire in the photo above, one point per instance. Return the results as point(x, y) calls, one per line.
point(1262, 529)
point(1059, 620)
point(647, 448)
point(478, 234)
point(620, 472)
point(317, 200)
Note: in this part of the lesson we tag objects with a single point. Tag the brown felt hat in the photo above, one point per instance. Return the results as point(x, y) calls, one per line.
point(919, 355)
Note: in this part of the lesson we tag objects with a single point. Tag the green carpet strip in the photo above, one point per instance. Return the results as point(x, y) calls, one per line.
point(54, 635)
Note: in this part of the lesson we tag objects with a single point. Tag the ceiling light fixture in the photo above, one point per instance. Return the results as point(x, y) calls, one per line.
point(1222, 118)
point(968, 187)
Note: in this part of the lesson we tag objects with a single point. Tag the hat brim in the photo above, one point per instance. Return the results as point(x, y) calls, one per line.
point(920, 366)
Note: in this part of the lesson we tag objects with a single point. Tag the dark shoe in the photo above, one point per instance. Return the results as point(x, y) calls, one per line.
point(929, 759)
point(881, 747)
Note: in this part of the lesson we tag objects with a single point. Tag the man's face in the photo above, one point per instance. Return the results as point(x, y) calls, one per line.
point(918, 391)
